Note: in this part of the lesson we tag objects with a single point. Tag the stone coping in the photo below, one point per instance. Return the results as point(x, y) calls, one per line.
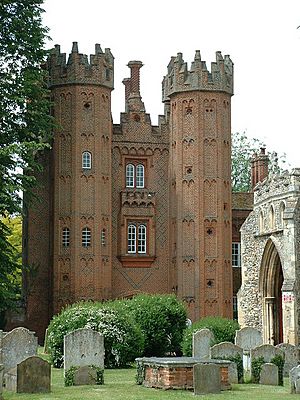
point(179, 361)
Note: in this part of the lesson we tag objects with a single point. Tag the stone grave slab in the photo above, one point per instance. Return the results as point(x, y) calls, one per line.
point(17, 345)
point(207, 379)
point(295, 380)
point(202, 340)
point(269, 374)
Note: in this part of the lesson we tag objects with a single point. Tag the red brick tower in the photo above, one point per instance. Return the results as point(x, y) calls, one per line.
point(81, 91)
point(75, 218)
point(199, 103)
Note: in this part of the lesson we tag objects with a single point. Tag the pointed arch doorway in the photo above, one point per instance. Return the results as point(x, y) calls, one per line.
point(271, 280)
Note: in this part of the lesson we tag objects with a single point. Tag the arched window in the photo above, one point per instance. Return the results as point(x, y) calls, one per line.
point(272, 217)
point(131, 239)
point(142, 239)
point(137, 238)
point(282, 209)
point(86, 160)
point(130, 175)
point(261, 222)
point(86, 237)
point(135, 175)
point(103, 237)
point(66, 237)
point(140, 176)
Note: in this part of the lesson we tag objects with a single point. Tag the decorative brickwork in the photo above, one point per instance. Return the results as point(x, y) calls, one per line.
point(183, 199)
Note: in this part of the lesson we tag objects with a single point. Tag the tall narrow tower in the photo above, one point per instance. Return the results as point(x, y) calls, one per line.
point(199, 105)
point(81, 91)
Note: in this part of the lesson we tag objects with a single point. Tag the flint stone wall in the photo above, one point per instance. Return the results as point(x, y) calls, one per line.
point(285, 234)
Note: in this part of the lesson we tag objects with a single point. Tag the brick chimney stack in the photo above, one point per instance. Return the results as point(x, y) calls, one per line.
point(135, 76)
point(259, 164)
point(133, 99)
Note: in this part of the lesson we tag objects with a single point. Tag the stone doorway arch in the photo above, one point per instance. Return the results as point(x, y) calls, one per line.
point(270, 288)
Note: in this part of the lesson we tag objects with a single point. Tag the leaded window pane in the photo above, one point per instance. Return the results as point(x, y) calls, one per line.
point(142, 239)
point(129, 175)
point(86, 160)
point(140, 176)
point(66, 237)
point(131, 239)
point(86, 237)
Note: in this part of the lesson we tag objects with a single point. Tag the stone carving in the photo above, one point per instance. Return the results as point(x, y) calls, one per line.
point(295, 380)
point(17, 345)
point(269, 374)
point(83, 347)
point(202, 340)
point(207, 379)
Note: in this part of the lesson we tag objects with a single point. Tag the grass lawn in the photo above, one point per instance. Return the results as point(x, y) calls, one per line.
point(120, 384)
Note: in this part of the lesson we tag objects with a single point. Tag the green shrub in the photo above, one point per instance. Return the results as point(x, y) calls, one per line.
point(162, 319)
point(123, 339)
point(257, 363)
point(222, 328)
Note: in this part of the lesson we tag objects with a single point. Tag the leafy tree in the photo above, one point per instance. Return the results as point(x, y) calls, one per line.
point(25, 121)
point(242, 151)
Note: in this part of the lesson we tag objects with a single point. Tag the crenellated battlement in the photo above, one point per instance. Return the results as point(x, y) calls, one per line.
point(180, 79)
point(97, 70)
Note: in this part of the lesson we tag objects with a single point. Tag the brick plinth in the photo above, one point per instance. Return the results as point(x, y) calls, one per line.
point(176, 373)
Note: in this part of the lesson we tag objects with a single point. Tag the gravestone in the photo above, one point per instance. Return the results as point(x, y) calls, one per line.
point(292, 357)
point(227, 351)
point(33, 375)
point(295, 380)
point(207, 378)
point(85, 376)
point(248, 338)
point(17, 345)
point(202, 340)
point(1, 381)
point(269, 374)
point(10, 379)
point(83, 347)
point(267, 351)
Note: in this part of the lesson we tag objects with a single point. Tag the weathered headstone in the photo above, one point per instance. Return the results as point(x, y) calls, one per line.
point(267, 351)
point(85, 376)
point(227, 351)
point(292, 357)
point(10, 379)
point(17, 345)
point(269, 374)
point(295, 380)
point(248, 338)
point(83, 347)
point(207, 378)
point(33, 376)
point(202, 340)
point(1, 381)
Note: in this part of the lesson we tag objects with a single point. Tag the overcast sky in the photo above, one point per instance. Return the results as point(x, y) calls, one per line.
point(261, 37)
